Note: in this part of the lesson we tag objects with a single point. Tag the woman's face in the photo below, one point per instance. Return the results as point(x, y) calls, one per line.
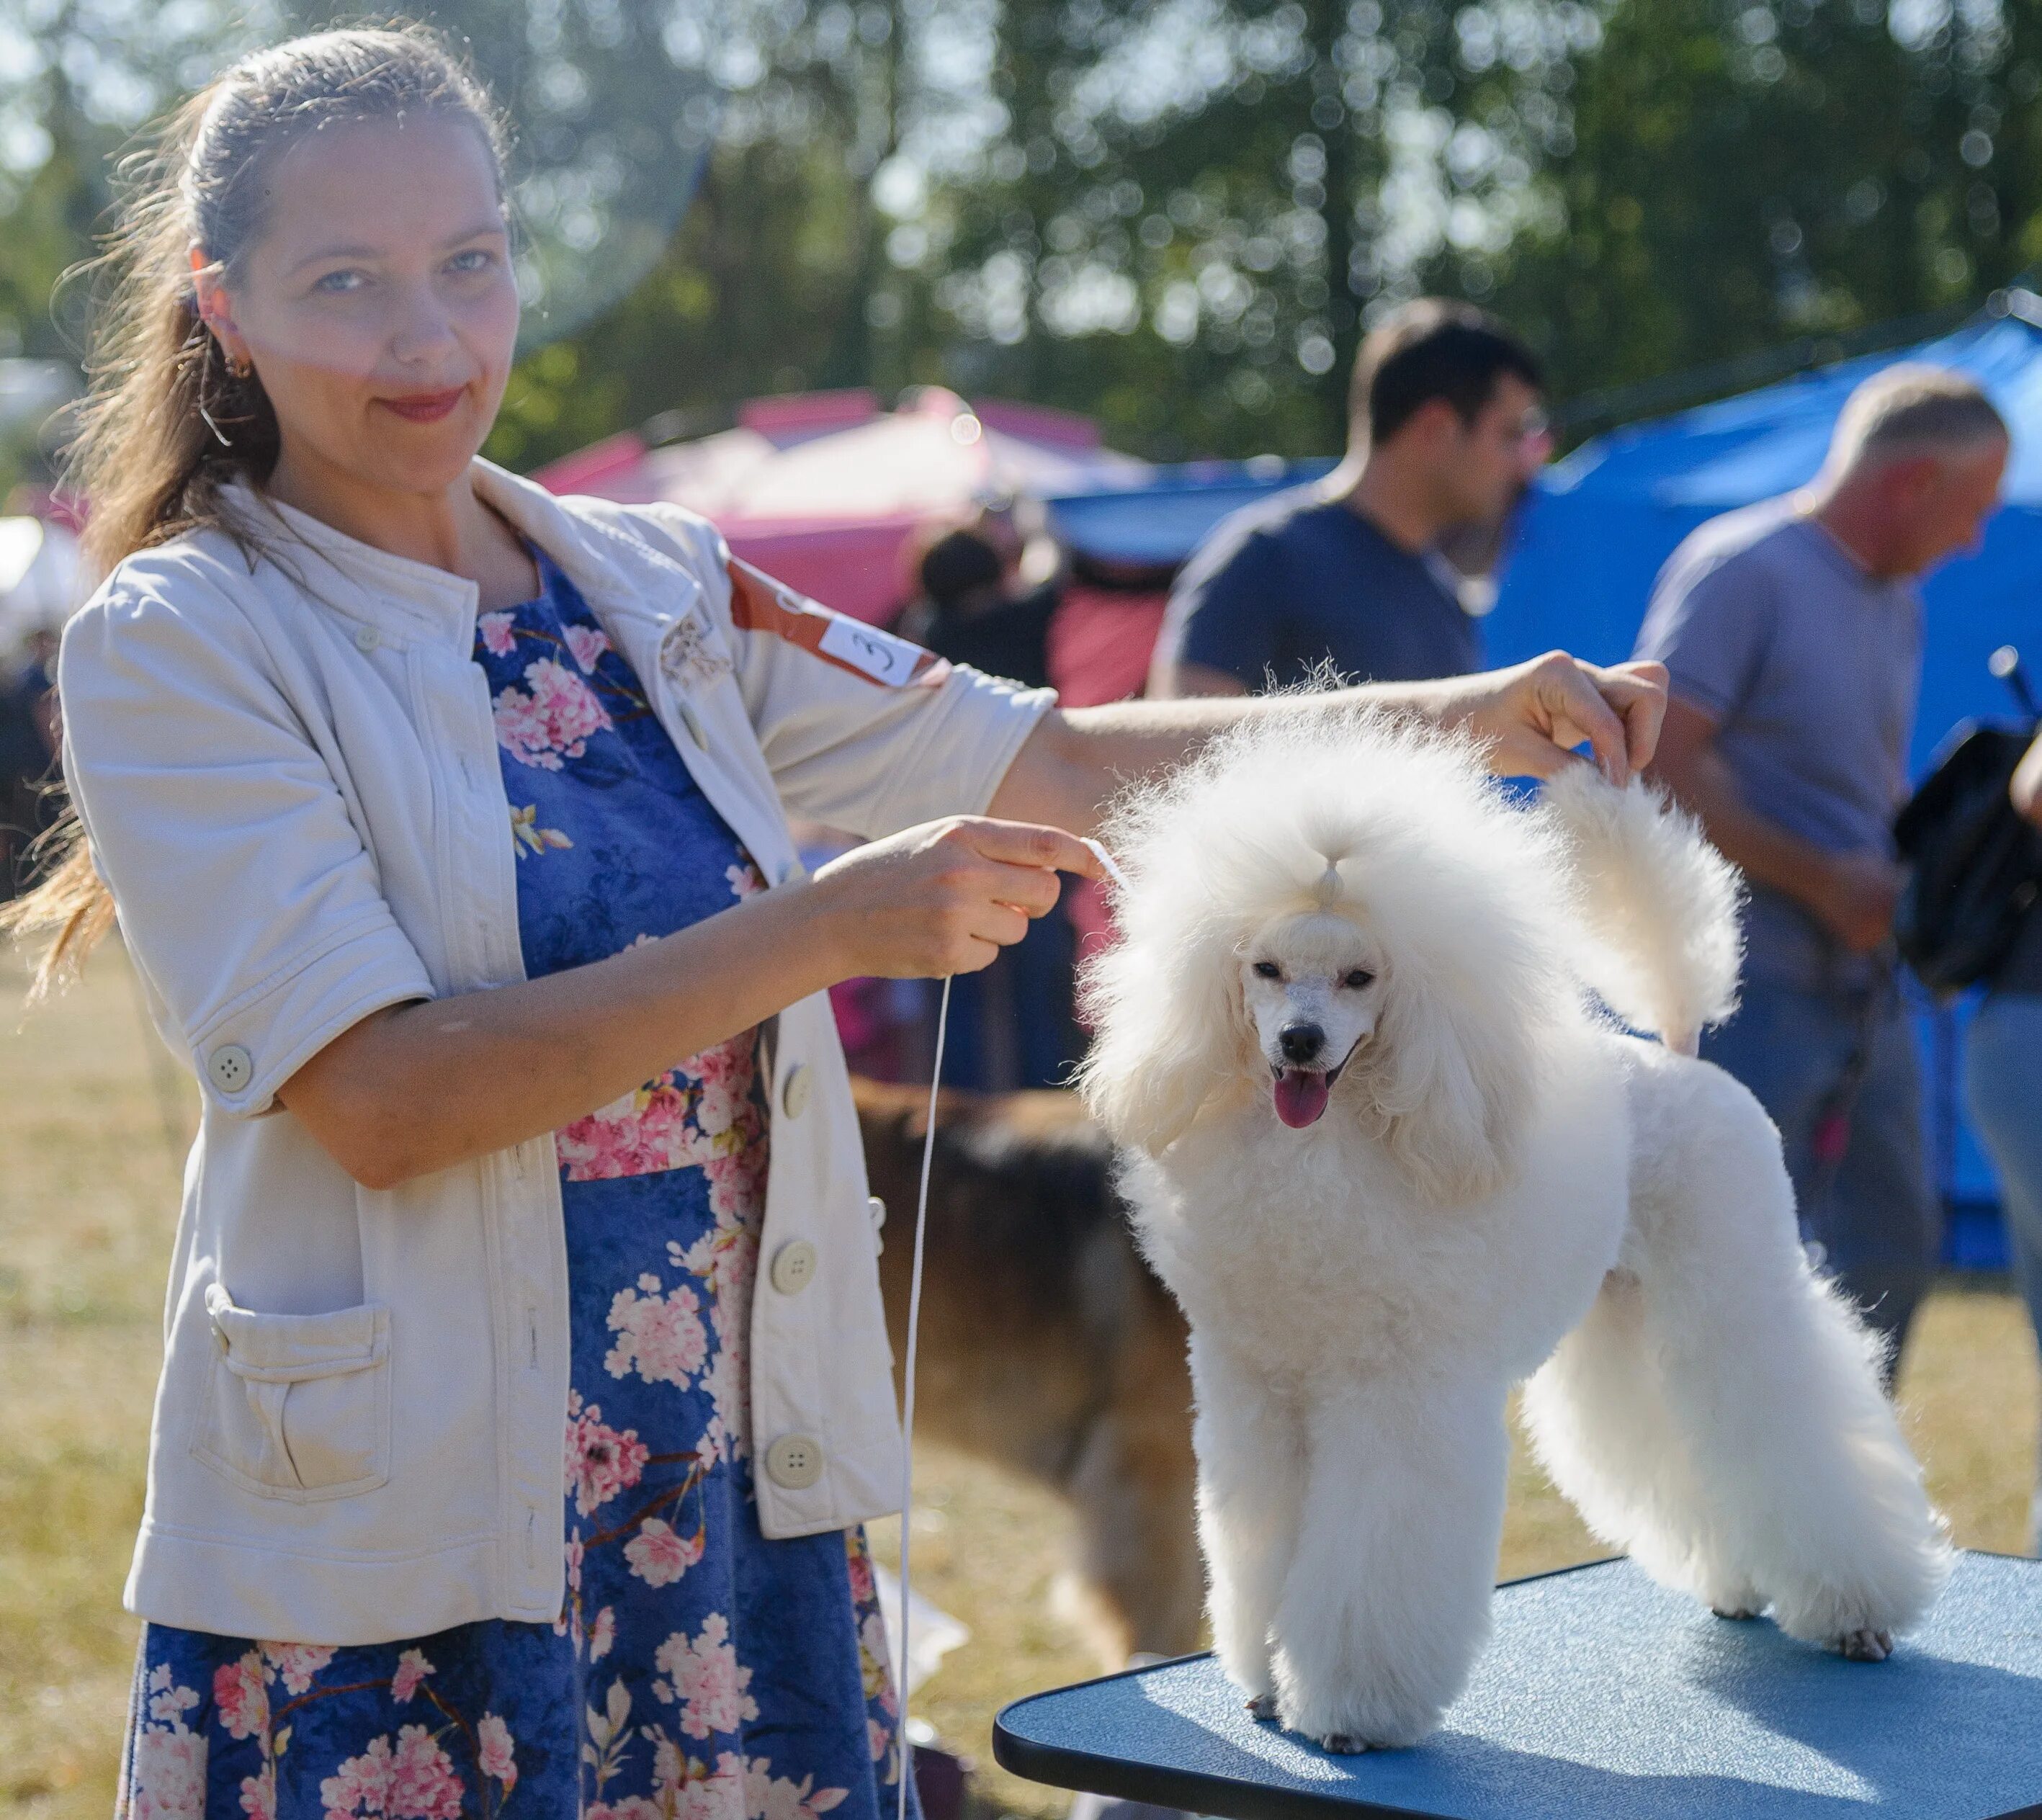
point(378, 303)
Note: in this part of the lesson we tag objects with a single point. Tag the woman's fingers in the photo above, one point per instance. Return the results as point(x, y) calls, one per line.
point(1536, 715)
point(1030, 843)
point(1638, 692)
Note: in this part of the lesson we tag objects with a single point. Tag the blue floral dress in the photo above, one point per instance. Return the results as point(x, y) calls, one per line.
point(697, 1671)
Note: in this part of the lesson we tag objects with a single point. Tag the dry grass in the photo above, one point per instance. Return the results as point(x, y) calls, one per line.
point(88, 1194)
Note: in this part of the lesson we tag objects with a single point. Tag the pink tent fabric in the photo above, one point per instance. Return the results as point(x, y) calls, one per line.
point(822, 492)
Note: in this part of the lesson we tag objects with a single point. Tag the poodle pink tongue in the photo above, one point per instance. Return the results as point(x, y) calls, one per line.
point(1301, 1096)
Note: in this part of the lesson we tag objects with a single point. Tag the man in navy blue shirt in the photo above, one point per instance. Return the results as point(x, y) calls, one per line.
point(1445, 434)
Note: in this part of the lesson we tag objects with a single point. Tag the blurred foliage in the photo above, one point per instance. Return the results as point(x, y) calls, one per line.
point(1175, 216)
point(1740, 175)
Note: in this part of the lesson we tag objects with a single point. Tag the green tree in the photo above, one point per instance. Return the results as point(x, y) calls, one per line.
point(1740, 175)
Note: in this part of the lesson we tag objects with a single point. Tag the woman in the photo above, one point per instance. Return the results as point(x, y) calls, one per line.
point(1999, 1089)
point(446, 821)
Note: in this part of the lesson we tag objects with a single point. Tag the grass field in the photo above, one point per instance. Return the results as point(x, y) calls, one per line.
point(88, 1194)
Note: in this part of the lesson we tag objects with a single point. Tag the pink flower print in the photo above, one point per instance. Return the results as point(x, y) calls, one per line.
point(601, 1461)
point(588, 645)
point(864, 1587)
point(169, 1703)
point(167, 1779)
point(642, 1133)
point(745, 879)
point(553, 722)
point(704, 1794)
point(602, 1634)
point(770, 1797)
point(629, 1807)
point(705, 1678)
point(258, 1793)
point(412, 1668)
point(498, 639)
point(878, 1740)
point(493, 1751)
point(735, 1181)
point(296, 1663)
point(243, 1700)
point(415, 1781)
point(726, 1073)
point(660, 1336)
point(659, 1554)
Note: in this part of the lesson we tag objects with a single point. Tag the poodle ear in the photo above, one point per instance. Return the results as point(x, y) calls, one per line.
point(1453, 1081)
point(1170, 1025)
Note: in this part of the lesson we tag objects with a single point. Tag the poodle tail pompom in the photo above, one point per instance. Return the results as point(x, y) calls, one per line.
point(1656, 905)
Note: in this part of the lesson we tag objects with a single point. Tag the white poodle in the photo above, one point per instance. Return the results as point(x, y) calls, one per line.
point(1393, 1160)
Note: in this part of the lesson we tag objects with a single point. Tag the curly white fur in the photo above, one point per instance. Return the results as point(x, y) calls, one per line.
point(1655, 905)
point(1490, 1182)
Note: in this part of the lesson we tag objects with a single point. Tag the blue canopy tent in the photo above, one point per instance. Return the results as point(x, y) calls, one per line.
point(1603, 521)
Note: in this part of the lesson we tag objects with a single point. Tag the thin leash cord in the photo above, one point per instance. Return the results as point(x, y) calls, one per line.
point(907, 1388)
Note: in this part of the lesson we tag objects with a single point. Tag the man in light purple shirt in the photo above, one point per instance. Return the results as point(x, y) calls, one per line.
point(1792, 633)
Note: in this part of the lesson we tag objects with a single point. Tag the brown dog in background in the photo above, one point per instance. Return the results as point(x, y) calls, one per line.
point(1047, 1347)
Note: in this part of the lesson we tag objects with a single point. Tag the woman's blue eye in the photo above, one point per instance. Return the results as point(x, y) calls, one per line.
point(475, 259)
point(337, 284)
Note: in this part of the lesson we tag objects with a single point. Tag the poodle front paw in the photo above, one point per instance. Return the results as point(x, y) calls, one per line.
point(1865, 1645)
point(1737, 1614)
point(1261, 1707)
point(1344, 1744)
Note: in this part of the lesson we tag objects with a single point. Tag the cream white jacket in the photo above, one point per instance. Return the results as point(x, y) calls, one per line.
point(288, 770)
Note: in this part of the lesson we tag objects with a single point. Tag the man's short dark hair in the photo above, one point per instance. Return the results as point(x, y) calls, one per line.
point(1434, 348)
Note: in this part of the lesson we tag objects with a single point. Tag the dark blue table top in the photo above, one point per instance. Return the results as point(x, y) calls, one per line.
point(1601, 1694)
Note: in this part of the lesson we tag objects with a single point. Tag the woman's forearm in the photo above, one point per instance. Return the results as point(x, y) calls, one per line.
point(418, 1088)
point(422, 1087)
point(1529, 716)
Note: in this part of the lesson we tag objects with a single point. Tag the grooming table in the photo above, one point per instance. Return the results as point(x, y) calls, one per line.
point(1601, 1694)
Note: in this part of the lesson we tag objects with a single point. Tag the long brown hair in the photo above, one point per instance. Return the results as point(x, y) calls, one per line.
point(169, 423)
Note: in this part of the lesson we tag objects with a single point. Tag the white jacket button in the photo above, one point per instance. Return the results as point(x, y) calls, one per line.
point(230, 1068)
point(794, 1091)
point(877, 1208)
point(794, 1462)
point(793, 1266)
point(366, 639)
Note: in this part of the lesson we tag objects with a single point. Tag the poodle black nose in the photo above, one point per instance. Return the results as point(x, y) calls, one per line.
point(1300, 1041)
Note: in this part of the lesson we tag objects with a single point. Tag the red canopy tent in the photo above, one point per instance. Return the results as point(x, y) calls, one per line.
point(823, 490)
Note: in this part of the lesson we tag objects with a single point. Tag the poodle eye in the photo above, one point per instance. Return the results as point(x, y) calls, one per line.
point(1268, 970)
point(1359, 978)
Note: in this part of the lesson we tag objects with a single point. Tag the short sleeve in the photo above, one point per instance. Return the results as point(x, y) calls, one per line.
point(1223, 612)
point(1709, 622)
point(861, 730)
point(244, 889)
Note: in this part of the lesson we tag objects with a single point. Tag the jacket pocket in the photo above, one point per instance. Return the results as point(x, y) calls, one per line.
point(297, 1406)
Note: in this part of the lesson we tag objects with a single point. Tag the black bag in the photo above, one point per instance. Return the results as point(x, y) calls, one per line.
point(1977, 864)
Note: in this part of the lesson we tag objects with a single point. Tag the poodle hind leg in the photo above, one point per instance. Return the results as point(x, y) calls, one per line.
point(1387, 1602)
point(1770, 1380)
point(1250, 1446)
point(1601, 1427)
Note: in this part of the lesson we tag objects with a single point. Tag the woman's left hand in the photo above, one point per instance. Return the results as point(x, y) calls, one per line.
point(1532, 715)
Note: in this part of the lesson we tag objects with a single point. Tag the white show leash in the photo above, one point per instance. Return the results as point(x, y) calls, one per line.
point(907, 1391)
point(914, 1330)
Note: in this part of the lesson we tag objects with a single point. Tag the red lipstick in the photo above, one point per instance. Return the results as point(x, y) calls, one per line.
point(424, 406)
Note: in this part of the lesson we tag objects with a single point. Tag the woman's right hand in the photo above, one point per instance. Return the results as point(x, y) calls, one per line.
point(943, 898)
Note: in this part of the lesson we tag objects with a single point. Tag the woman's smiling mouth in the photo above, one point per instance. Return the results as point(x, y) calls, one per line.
point(424, 406)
